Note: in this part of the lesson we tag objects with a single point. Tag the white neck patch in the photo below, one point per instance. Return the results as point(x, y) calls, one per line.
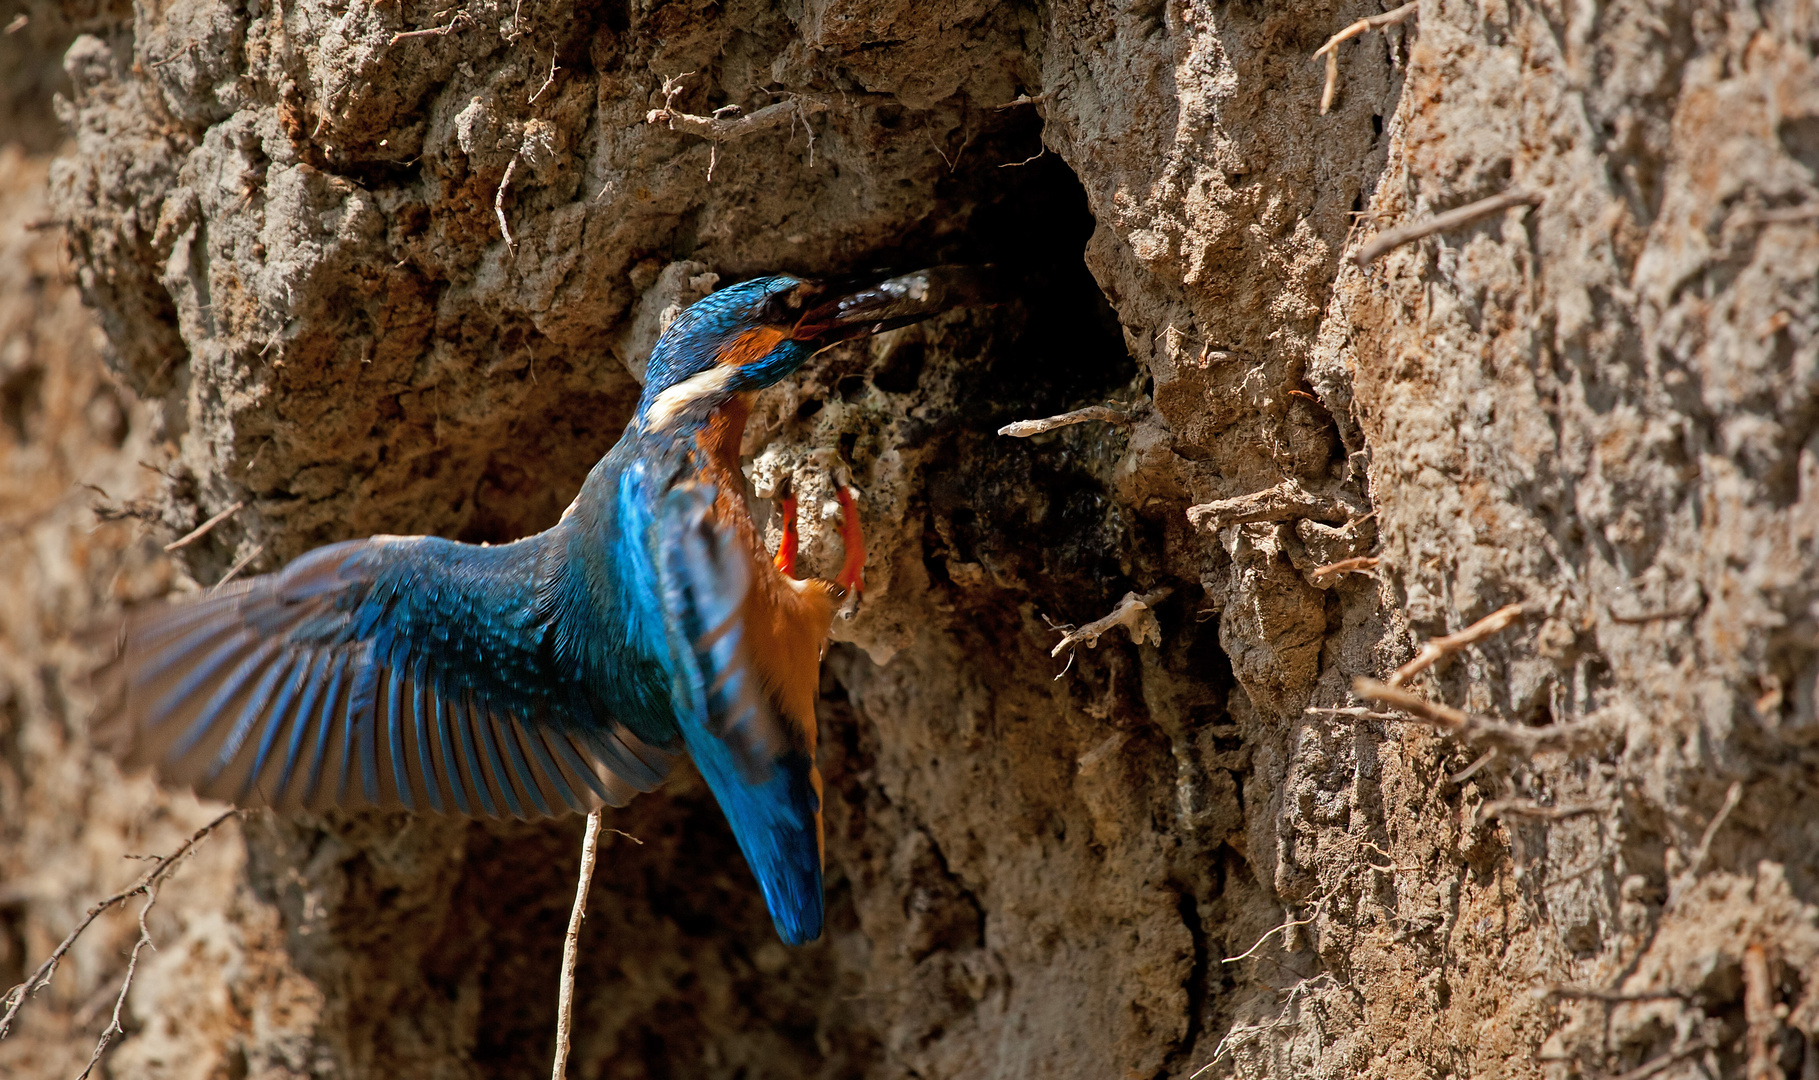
point(672, 403)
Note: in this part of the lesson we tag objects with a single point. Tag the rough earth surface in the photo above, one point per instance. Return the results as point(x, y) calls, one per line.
point(393, 267)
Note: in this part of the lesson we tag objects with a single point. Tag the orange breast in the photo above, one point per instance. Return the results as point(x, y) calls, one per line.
point(786, 621)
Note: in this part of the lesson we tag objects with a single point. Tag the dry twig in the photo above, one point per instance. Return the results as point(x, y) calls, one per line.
point(206, 527)
point(565, 1000)
point(1286, 501)
point(1331, 49)
point(1452, 219)
point(1110, 414)
point(149, 881)
point(1438, 648)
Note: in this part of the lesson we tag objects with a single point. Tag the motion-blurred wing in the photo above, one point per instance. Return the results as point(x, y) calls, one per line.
point(396, 672)
point(764, 784)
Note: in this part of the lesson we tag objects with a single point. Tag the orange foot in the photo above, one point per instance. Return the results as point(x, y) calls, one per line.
point(786, 548)
point(852, 572)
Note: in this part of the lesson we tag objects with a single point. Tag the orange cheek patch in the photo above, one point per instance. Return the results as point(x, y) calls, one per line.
point(750, 346)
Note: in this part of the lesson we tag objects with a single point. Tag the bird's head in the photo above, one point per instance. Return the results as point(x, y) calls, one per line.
point(747, 336)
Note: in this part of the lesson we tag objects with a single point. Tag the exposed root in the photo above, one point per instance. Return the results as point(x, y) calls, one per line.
point(1284, 502)
point(1362, 564)
point(239, 565)
point(1452, 219)
point(1027, 99)
point(145, 886)
point(1592, 993)
point(1331, 49)
point(1529, 808)
point(1133, 613)
point(1480, 729)
point(206, 527)
point(114, 1027)
point(460, 21)
point(547, 83)
point(728, 129)
point(505, 228)
point(1439, 648)
point(1110, 414)
point(1759, 1012)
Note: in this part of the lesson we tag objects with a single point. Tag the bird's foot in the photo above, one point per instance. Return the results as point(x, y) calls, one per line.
point(786, 548)
point(852, 572)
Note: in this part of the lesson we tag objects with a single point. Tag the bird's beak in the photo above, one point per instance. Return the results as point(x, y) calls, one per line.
point(857, 307)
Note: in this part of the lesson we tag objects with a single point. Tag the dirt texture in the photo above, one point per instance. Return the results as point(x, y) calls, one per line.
point(394, 267)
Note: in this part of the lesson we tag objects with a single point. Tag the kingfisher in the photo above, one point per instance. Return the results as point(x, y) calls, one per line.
point(561, 672)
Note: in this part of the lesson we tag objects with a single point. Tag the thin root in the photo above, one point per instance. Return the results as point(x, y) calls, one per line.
point(149, 881)
point(505, 228)
point(1331, 49)
point(1452, 219)
point(206, 527)
point(1439, 648)
point(1472, 728)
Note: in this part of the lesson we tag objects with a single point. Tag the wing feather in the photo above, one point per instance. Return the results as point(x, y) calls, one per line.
point(763, 783)
point(396, 672)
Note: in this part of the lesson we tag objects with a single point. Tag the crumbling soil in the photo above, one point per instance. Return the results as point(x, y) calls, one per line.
point(1188, 850)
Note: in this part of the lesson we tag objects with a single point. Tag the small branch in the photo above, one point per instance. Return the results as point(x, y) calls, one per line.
point(1331, 49)
point(15, 998)
point(1358, 565)
point(1132, 613)
point(206, 527)
point(462, 19)
point(565, 997)
point(1452, 219)
point(1476, 728)
point(1439, 648)
point(1284, 502)
point(505, 228)
point(239, 565)
point(1109, 414)
point(727, 129)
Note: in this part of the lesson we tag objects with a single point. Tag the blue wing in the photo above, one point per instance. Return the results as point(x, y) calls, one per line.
point(397, 672)
point(763, 783)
